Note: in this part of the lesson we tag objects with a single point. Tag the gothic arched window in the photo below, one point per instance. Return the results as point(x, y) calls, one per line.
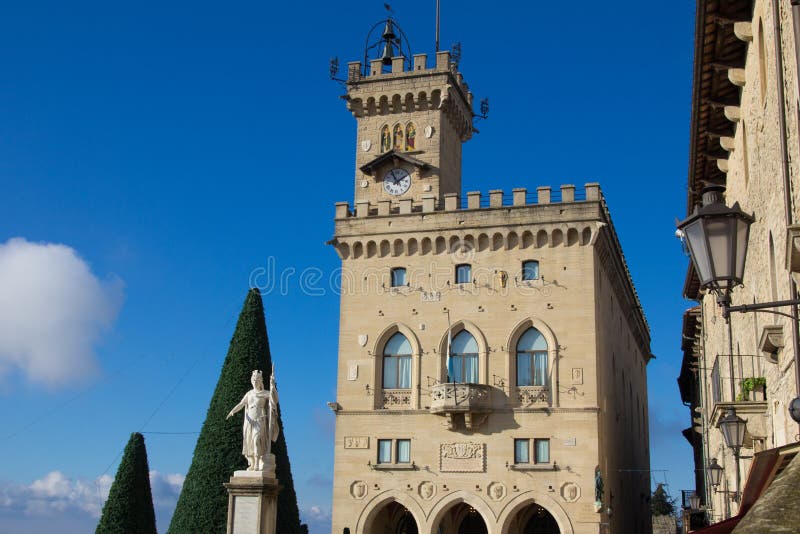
point(532, 359)
point(411, 134)
point(386, 140)
point(397, 363)
point(398, 137)
point(463, 362)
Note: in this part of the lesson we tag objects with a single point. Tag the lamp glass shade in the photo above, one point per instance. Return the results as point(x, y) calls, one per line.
point(742, 235)
point(720, 246)
point(714, 472)
point(694, 501)
point(717, 239)
point(696, 241)
point(733, 428)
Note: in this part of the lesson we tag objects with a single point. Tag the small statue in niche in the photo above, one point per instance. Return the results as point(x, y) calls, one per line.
point(411, 134)
point(260, 427)
point(398, 137)
point(386, 142)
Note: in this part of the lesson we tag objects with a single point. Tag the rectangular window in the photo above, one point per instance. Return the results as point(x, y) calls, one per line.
point(532, 368)
point(463, 274)
point(530, 270)
point(403, 451)
point(384, 451)
point(542, 447)
point(521, 451)
point(398, 277)
point(463, 368)
point(397, 372)
point(539, 368)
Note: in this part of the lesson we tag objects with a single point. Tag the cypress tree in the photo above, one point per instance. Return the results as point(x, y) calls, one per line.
point(129, 508)
point(203, 503)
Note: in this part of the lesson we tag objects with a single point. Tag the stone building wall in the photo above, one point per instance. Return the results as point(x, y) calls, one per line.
point(754, 179)
point(593, 418)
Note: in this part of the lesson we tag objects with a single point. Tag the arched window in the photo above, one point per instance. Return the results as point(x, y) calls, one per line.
point(398, 276)
point(397, 363)
point(530, 270)
point(398, 137)
point(411, 134)
point(532, 359)
point(462, 366)
point(386, 139)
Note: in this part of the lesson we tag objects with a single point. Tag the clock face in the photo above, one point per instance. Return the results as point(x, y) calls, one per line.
point(396, 181)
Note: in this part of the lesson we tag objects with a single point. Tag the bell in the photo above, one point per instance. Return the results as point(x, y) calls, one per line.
point(388, 31)
point(388, 53)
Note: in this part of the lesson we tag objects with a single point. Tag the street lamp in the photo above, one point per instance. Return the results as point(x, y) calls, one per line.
point(716, 236)
point(714, 472)
point(717, 239)
point(694, 501)
point(733, 428)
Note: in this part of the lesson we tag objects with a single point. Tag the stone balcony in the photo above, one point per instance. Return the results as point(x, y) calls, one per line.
point(470, 403)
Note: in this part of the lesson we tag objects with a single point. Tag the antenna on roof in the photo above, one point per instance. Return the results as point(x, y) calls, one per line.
point(333, 70)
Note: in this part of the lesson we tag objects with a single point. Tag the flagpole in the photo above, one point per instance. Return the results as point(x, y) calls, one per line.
point(437, 43)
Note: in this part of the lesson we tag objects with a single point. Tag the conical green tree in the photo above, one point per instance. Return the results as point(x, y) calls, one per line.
point(203, 503)
point(129, 508)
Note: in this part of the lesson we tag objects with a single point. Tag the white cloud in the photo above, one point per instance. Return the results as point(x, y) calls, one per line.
point(53, 310)
point(60, 498)
point(317, 518)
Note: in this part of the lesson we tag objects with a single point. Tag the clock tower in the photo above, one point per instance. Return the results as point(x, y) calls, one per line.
point(412, 120)
point(492, 355)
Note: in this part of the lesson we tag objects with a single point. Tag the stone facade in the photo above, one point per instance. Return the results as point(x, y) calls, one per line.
point(433, 452)
point(739, 120)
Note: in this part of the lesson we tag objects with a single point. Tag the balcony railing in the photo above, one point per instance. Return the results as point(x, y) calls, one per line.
point(396, 398)
point(533, 396)
point(456, 401)
point(729, 378)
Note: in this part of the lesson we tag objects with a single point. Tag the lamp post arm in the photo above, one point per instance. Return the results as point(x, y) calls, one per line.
point(763, 306)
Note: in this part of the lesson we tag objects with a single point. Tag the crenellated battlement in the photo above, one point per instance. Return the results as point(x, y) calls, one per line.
point(474, 200)
point(356, 71)
point(440, 88)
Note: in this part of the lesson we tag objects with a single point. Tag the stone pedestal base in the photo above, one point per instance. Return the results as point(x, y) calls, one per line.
point(252, 502)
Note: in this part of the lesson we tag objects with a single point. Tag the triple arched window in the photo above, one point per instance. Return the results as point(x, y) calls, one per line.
point(463, 360)
point(532, 359)
point(397, 363)
point(398, 137)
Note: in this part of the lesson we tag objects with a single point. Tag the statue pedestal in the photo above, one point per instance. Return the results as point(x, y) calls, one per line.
point(253, 501)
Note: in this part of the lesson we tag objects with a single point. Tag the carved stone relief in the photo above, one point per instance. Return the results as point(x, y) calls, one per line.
point(496, 491)
point(396, 398)
point(463, 457)
point(356, 442)
point(358, 489)
point(427, 490)
point(577, 376)
point(570, 492)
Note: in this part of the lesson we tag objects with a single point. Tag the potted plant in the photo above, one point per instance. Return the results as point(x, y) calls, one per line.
point(756, 385)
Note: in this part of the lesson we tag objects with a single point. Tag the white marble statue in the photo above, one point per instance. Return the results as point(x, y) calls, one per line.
point(260, 426)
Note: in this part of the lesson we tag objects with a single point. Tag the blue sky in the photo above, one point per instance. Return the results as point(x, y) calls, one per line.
point(173, 148)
